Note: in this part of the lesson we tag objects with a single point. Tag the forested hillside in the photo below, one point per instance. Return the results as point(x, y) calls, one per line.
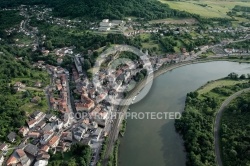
point(235, 132)
point(114, 9)
point(196, 123)
point(12, 114)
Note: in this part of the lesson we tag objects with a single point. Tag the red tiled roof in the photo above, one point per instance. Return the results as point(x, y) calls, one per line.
point(11, 160)
point(20, 153)
point(53, 140)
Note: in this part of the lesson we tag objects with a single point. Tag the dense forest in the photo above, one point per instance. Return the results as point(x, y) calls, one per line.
point(147, 9)
point(10, 19)
point(196, 123)
point(235, 132)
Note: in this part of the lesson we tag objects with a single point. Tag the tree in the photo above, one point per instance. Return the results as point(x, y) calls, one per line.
point(95, 54)
point(86, 64)
point(48, 45)
point(71, 162)
point(243, 76)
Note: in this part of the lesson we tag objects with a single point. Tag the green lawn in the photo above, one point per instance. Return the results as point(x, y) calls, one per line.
point(219, 83)
point(213, 9)
point(38, 76)
point(30, 107)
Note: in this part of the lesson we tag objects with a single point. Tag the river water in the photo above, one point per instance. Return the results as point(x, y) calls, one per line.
point(155, 142)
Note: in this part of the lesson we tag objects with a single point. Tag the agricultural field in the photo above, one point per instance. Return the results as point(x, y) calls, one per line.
point(209, 9)
point(219, 83)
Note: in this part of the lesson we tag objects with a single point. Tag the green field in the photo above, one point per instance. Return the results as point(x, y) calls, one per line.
point(219, 83)
point(214, 8)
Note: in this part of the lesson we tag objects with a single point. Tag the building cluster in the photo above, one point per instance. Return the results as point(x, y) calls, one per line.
point(43, 132)
point(106, 25)
point(236, 51)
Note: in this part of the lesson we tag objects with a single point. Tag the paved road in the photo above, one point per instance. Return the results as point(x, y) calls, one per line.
point(217, 124)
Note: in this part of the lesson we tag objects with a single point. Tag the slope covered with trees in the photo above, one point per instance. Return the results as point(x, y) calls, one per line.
point(235, 132)
point(114, 9)
point(196, 123)
point(12, 115)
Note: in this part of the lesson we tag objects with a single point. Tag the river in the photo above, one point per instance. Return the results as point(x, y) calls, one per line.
point(155, 142)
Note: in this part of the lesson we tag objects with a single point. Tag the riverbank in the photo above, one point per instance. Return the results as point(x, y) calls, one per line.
point(199, 123)
point(168, 94)
point(166, 68)
point(113, 135)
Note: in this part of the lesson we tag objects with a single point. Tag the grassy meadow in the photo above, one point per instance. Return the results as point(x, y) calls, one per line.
point(205, 8)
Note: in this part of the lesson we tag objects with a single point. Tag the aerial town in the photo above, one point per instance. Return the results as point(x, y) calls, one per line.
point(79, 106)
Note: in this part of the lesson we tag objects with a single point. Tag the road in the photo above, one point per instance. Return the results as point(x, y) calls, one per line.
point(69, 101)
point(236, 41)
point(217, 124)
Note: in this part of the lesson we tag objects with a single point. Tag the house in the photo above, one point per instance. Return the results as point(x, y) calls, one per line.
point(54, 141)
point(183, 50)
point(97, 134)
point(50, 117)
point(37, 114)
point(63, 80)
point(105, 24)
point(38, 117)
point(31, 149)
point(38, 84)
point(3, 147)
point(32, 123)
point(67, 136)
point(86, 141)
point(18, 86)
point(95, 112)
point(59, 60)
point(11, 136)
point(45, 52)
point(46, 137)
point(23, 131)
point(117, 22)
point(59, 86)
point(41, 124)
point(34, 134)
point(59, 125)
point(12, 160)
point(101, 97)
point(41, 163)
point(60, 70)
point(86, 103)
point(43, 156)
point(104, 28)
point(45, 148)
point(48, 127)
point(66, 120)
point(63, 146)
point(78, 133)
point(36, 99)
point(105, 20)
point(22, 158)
point(1, 159)
point(229, 50)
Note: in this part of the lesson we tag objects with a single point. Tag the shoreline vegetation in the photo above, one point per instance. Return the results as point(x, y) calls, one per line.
point(197, 123)
point(166, 68)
